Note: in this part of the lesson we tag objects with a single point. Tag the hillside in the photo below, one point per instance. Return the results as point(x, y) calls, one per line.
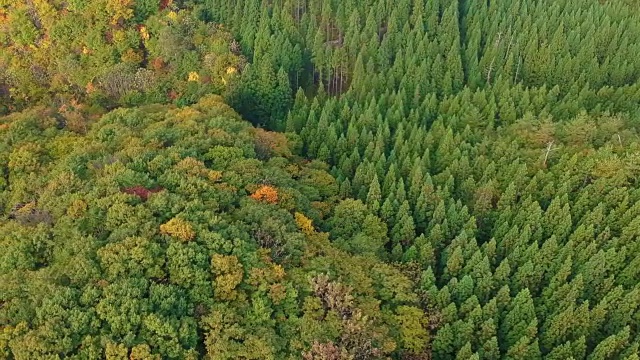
point(174, 233)
point(320, 180)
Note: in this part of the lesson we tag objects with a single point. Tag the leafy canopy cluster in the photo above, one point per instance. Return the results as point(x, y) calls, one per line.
point(160, 234)
point(110, 53)
point(469, 188)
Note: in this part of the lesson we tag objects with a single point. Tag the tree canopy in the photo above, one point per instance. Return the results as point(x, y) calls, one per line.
point(319, 180)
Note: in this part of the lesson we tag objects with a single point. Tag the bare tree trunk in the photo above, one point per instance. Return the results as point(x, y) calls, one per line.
point(489, 70)
point(546, 156)
point(510, 43)
point(341, 79)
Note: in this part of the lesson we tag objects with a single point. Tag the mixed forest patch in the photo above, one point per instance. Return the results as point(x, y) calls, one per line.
point(445, 179)
point(160, 234)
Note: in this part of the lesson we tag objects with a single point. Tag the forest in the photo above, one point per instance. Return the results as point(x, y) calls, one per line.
point(319, 180)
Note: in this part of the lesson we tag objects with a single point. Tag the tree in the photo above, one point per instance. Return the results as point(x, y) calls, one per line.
point(611, 345)
point(520, 322)
point(356, 229)
point(178, 228)
point(374, 196)
point(404, 230)
point(266, 194)
point(414, 336)
point(228, 274)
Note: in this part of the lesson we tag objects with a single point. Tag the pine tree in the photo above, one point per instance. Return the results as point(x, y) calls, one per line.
point(490, 349)
point(611, 345)
point(374, 196)
point(404, 230)
point(520, 322)
point(465, 353)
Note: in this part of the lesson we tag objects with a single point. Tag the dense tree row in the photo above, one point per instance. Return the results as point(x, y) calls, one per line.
point(576, 54)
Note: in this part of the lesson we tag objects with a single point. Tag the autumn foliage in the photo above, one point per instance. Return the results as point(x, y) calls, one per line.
point(140, 191)
point(269, 143)
point(266, 194)
point(228, 275)
point(178, 228)
point(195, 167)
point(304, 223)
point(165, 3)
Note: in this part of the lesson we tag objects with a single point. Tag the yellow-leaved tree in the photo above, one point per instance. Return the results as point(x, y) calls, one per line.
point(178, 228)
point(228, 273)
point(304, 223)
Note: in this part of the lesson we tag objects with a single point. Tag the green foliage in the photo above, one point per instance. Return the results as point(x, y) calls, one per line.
point(473, 166)
point(494, 140)
point(152, 250)
point(111, 52)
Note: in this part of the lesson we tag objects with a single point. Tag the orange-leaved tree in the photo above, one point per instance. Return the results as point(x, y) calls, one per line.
point(267, 194)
